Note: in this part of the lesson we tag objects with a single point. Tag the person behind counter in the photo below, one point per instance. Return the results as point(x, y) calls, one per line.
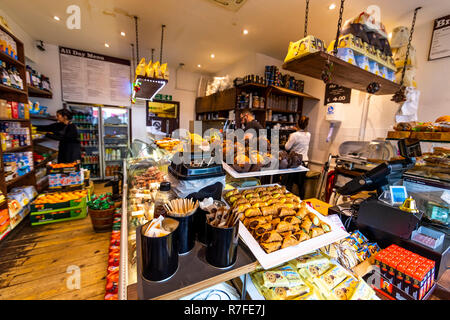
point(249, 122)
point(66, 133)
point(299, 142)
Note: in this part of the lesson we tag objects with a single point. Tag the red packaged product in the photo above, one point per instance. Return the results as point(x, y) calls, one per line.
point(114, 261)
point(15, 110)
point(409, 275)
point(419, 284)
point(111, 296)
point(427, 272)
point(400, 276)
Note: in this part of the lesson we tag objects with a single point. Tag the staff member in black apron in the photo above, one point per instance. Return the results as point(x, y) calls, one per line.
point(66, 133)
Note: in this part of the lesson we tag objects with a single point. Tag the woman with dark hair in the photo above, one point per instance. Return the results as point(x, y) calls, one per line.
point(299, 142)
point(66, 133)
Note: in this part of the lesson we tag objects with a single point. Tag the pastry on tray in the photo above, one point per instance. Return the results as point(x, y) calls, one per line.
point(276, 218)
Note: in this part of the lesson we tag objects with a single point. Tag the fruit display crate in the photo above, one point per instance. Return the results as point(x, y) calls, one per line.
point(59, 215)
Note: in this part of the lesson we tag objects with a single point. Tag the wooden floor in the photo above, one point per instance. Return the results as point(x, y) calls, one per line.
point(34, 261)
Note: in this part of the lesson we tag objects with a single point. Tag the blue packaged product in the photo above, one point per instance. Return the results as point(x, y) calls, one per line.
point(362, 61)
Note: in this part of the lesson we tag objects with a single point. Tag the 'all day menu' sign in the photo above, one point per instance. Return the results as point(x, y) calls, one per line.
point(93, 78)
point(440, 41)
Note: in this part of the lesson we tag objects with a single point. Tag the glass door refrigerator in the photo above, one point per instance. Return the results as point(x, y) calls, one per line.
point(115, 139)
point(86, 118)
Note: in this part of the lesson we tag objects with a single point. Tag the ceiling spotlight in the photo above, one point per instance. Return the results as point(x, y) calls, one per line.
point(212, 55)
point(245, 31)
point(332, 6)
point(106, 45)
point(56, 18)
point(199, 65)
point(390, 35)
point(122, 34)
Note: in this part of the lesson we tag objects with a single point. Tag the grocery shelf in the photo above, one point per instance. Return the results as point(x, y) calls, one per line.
point(283, 111)
point(17, 149)
point(35, 116)
point(252, 85)
point(344, 74)
point(10, 60)
point(14, 120)
point(39, 93)
point(7, 89)
point(14, 181)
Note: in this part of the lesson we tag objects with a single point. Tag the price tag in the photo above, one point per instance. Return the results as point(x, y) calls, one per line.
point(337, 94)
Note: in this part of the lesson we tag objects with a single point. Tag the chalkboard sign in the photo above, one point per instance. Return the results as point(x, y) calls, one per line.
point(337, 94)
point(440, 44)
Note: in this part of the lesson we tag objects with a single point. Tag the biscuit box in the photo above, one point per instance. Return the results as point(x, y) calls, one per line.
point(57, 180)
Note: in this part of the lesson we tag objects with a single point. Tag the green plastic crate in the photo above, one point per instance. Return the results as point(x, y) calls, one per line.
point(59, 215)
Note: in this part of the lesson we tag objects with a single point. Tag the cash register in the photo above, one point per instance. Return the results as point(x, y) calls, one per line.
point(385, 222)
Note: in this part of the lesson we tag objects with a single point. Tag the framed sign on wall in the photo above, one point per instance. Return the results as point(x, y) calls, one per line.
point(440, 39)
point(164, 115)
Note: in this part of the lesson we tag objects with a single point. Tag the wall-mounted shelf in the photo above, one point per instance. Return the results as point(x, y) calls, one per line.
point(14, 120)
point(38, 117)
point(17, 149)
point(10, 60)
point(290, 92)
point(18, 179)
point(7, 89)
point(39, 93)
point(344, 74)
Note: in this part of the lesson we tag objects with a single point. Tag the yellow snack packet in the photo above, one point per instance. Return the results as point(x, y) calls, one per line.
point(345, 289)
point(156, 69)
point(149, 70)
point(163, 70)
point(140, 69)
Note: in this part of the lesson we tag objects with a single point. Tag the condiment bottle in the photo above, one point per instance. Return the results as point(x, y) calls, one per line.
point(162, 197)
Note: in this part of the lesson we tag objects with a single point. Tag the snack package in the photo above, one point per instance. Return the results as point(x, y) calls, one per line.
point(373, 67)
point(317, 269)
point(309, 259)
point(347, 55)
point(363, 292)
point(362, 61)
point(274, 279)
point(331, 278)
point(148, 70)
point(292, 276)
point(305, 46)
point(360, 238)
point(345, 289)
point(373, 248)
point(350, 242)
point(140, 69)
point(287, 293)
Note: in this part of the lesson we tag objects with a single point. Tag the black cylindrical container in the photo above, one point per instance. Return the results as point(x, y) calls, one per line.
point(200, 221)
point(160, 255)
point(221, 245)
point(186, 232)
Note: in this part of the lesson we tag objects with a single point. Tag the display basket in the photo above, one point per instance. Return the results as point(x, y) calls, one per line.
point(74, 168)
point(102, 220)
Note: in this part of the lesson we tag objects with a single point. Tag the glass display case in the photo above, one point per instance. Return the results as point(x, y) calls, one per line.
point(145, 167)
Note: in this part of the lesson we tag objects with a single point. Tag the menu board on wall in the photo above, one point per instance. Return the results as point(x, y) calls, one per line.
point(440, 40)
point(335, 93)
point(93, 78)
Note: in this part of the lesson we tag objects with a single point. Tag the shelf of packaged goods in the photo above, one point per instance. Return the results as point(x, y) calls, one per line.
point(40, 140)
point(14, 120)
point(344, 74)
point(8, 89)
point(38, 117)
point(214, 120)
point(120, 160)
point(252, 85)
point(14, 181)
point(39, 93)
point(17, 149)
point(10, 60)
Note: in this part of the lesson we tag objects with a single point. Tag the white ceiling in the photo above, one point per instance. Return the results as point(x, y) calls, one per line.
point(195, 28)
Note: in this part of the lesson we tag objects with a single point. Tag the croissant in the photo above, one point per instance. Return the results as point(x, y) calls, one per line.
point(306, 224)
point(286, 234)
point(271, 236)
point(287, 212)
point(253, 222)
point(242, 207)
point(292, 219)
point(315, 232)
point(302, 212)
point(271, 247)
point(284, 226)
point(252, 212)
point(289, 241)
point(263, 228)
point(297, 227)
point(241, 201)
